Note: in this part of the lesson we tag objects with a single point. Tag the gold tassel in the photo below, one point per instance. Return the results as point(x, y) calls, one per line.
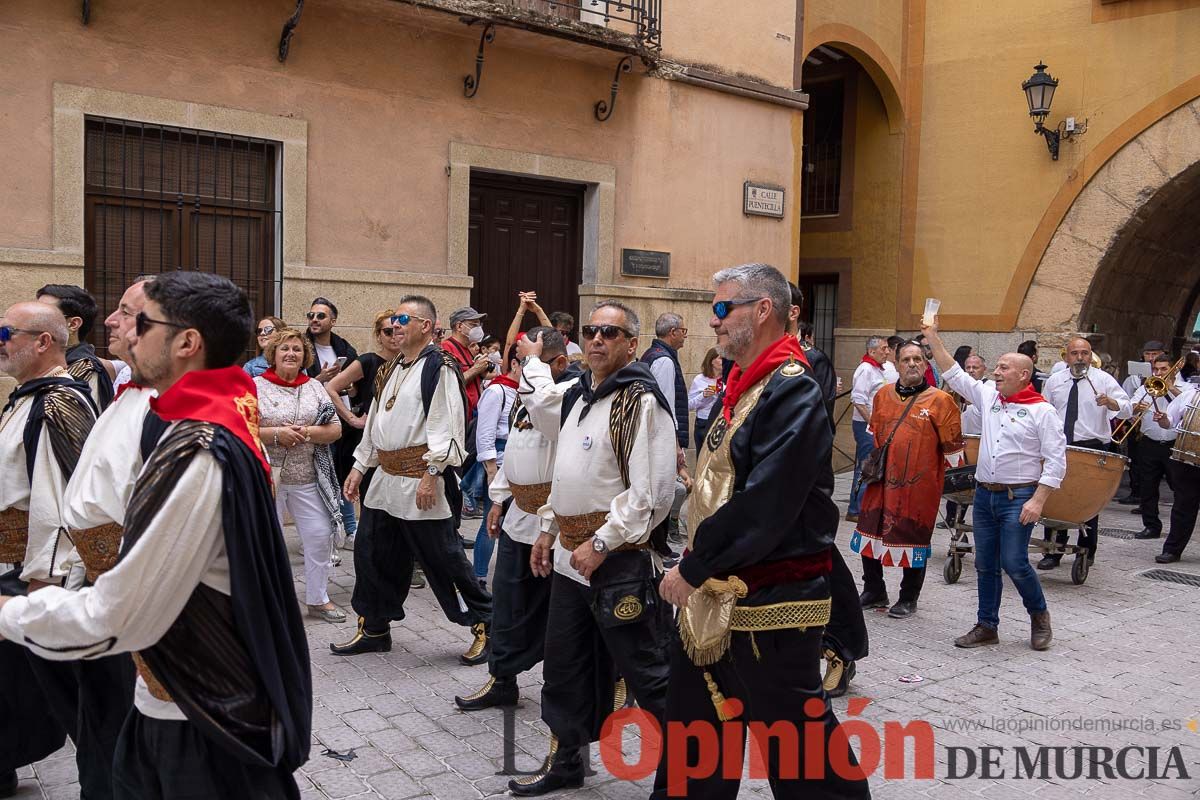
point(718, 699)
point(754, 647)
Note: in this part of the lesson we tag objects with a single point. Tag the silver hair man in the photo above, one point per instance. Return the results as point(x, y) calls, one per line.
point(631, 318)
point(667, 322)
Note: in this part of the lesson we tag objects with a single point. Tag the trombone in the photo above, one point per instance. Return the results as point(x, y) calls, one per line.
point(1156, 387)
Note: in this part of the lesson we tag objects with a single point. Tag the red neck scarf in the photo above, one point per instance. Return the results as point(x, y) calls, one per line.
point(127, 385)
point(1027, 396)
point(300, 379)
point(782, 350)
point(224, 397)
point(504, 380)
point(868, 360)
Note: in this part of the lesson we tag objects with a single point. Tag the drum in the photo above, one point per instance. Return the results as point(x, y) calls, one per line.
point(1093, 477)
point(1187, 443)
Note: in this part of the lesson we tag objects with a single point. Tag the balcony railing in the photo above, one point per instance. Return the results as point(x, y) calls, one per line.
point(638, 18)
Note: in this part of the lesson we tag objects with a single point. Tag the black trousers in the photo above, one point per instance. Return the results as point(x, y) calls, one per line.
point(1151, 468)
point(521, 606)
point(910, 584)
point(384, 549)
point(773, 678)
point(1185, 478)
point(27, 732)
point(169, 760)
point(701, 429)
point(1134, 449)
point(846, 633)
point(583, 657)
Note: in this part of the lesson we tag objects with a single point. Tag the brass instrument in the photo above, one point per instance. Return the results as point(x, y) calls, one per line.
point(1155, 387)
point(1096, 360)
point(1079, 371)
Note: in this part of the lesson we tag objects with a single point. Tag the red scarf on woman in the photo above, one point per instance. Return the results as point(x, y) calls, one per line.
point(784, 349)
point(504, 380)
point(274, 378)
point(868, 360)
point(1027, 396)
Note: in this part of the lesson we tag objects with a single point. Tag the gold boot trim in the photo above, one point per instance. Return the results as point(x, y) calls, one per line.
point(487, 687)
point(833, 672)
point(620, 694)
point(527, 780)
point(361, 633)
point(477, 646)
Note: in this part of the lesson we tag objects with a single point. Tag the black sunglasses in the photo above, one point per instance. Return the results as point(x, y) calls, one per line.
point(606, 331)
point(268, 330)
point(321, 315)
point(388, 331)
point(143, 322)
point(722, 308)
point(7, 331)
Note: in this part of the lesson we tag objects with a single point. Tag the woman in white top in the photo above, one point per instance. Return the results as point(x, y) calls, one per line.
point(297, 422)
point(703, 393)
point(491, 435)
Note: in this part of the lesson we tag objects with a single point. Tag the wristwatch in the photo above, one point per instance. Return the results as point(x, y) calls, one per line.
point(598, 545)
point(432, 470)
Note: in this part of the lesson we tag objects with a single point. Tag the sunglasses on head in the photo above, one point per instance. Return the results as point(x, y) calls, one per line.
point(142, 323)
point(266, 330)
point(722, 308)
point(7, 331)
point(404, 319)
point(321, 315)
point(606, 331)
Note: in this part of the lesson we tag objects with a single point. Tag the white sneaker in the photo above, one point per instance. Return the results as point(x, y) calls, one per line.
point(349, 543)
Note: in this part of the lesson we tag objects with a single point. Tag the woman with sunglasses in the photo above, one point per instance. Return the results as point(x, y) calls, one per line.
point(262, 335)
point(297, 424)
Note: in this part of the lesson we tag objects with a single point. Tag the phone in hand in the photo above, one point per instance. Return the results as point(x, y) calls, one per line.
point(340, 361)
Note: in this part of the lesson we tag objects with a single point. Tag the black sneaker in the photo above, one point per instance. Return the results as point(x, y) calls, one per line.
point(1049, 562)
point(1166, 558)
point(902, 609)
point(873, 600)
point(1147, 533)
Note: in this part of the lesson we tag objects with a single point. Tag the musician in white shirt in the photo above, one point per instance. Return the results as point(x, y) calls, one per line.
point(1087, 405)
point(1153, 449)
point(1022, 459)
point(1184, 476)
point(869, 378)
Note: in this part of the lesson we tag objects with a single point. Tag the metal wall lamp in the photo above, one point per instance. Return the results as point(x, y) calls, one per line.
point(1039, 93)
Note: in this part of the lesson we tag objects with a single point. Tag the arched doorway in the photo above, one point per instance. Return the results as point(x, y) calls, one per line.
point(1125, 261)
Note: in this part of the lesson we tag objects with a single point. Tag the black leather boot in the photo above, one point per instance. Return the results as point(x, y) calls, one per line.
point(558, 772)
point(497, 692)
point(364, 642)
point(477, 653)
point(8, 783)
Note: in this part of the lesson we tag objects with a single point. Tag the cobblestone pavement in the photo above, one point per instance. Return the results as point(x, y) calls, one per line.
point(1125, 650)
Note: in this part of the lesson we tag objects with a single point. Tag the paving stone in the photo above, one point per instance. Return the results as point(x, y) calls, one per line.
point(394, 785)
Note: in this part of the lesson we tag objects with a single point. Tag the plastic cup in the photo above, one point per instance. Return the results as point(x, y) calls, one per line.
point(932, 305)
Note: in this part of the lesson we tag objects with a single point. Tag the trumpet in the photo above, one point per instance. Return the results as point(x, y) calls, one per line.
point(1156, 387)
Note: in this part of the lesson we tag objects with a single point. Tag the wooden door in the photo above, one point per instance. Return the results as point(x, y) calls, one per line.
point(523, 235)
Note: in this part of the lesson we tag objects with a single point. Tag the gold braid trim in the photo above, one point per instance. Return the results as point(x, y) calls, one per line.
point(407, 462)
point(780, 616)
point(530, 497)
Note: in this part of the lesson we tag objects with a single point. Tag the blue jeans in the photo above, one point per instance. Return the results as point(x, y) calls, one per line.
point(484, 544)
point(864, 443)
point(472, 485)
point(349, 521)
point(1001, 541)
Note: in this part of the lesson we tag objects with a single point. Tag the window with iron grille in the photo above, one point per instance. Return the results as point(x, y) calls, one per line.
point(161, 198)
point(820, 308)
point(821, 180)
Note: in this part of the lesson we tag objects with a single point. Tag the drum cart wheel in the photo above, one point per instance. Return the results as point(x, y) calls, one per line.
point(960, 545)
point(952, 569)
point(1079, 569)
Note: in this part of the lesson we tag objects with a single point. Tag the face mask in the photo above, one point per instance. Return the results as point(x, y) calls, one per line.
point(475, 335)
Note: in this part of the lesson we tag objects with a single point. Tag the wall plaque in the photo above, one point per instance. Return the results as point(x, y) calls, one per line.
point(762, 200)
point(645, 263)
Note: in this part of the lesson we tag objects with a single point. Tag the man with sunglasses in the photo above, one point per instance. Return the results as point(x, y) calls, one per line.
point(43, 426)
point(80, 310)
point(763, 528)
point(225, 713)
point(414, 434)
point(614, 481)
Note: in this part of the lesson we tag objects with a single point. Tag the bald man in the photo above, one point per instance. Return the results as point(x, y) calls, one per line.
point(42, 430)
point(1022, 459)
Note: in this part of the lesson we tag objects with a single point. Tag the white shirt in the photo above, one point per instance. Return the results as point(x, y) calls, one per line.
point(890, 374)
point(406, 425)
point(495, 405)
point(325, 354)
point(1093, 420)
point(972, 416)
point(124, 374)
point(47, 553)
point(696, 400)
point(586, 477)
point(868, 379)
point(529, 460)
point(663, 370)
point(132, 605)
point(1149, 427)
point(1020, 442)
point(1180, 404)
point(573, 349)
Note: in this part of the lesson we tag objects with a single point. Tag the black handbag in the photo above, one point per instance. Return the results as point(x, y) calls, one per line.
point(874, 466)
point(959, 480)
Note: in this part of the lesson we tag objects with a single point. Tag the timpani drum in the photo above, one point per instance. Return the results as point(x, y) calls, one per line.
point(1093, 477)
point(1187, 442)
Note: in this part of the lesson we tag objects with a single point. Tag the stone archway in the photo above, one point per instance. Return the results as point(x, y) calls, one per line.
point(1125, 260)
